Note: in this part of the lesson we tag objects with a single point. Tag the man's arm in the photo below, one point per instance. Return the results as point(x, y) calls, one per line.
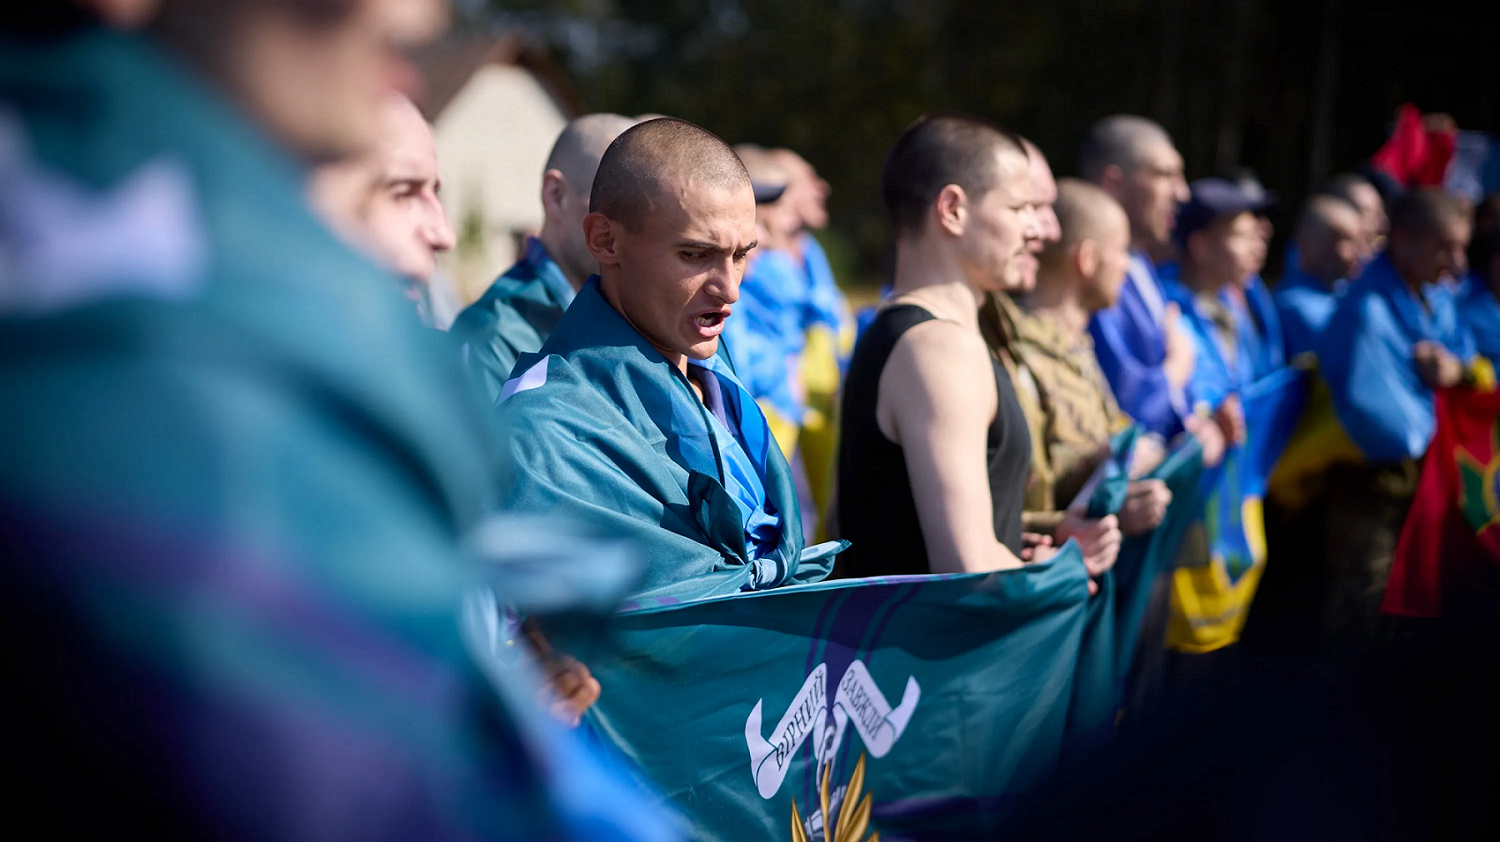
point(937, 400)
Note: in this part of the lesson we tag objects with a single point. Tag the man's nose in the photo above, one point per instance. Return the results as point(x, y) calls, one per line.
point(438, 233)
point(1180, 189)
point(724, 279)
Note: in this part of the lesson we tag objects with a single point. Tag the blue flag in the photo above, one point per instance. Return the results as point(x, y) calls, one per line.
point(1224, 551)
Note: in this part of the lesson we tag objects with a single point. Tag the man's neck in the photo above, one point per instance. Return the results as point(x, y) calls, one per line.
point(552, 239)
point(1056, 298)
point(930, 275)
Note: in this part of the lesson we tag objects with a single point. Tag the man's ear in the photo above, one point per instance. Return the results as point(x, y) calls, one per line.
point(554, 192)
point(1086, 258)
point(599, 234)
point(950, 209)
point(1112, 179)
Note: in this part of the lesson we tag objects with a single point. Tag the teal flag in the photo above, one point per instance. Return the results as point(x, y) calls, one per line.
point(892, 705)
point(1224, 551)
point(1126, 591)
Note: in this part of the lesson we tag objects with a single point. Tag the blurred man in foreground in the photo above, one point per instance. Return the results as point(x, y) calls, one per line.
point(386, 201)
point(630, 417)
point(237, 473)
point(520, 309)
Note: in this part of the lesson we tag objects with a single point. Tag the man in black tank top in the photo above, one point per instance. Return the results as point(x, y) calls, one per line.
point(935, 449)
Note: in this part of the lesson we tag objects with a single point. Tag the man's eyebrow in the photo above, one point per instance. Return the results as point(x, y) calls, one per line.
point(701, 245)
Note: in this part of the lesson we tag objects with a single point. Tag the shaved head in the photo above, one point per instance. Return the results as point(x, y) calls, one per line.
point(567, 181)
point(1330, 238)
point(1121, 140)
point(1084, 212)
point(582, 143)
point(651, 159)
point(1088, 262)
point(1429, 236)
point(672, 222)
point(939, 150)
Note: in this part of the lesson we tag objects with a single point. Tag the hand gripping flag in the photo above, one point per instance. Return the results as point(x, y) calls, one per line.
point(1454, 520)
point(1223, 554)
point(911, 705)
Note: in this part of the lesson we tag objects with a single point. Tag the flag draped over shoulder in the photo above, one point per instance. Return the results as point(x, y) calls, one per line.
point(929, 702)
point(1224, 553)
point(1455, 518)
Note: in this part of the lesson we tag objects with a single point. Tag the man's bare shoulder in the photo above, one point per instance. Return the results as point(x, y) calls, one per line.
point(938, 346)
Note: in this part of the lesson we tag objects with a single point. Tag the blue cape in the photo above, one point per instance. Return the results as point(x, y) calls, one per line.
point(1129, 345)
point(1305, 305)
point(1366, 358)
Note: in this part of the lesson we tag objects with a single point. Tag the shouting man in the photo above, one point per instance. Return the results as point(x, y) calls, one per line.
point(630, 417)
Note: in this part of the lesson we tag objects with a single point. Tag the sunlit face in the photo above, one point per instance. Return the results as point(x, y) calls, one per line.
point(386, 202)
point(1113, 250)
point(677, 277)
point(1044, 196)
point(317, 81)
point(1373, 220)
point(1002, 236)
point(1427, 257)
point(1230, 250)
point(407, 224)
point(1339, 250)
point(1151, 192)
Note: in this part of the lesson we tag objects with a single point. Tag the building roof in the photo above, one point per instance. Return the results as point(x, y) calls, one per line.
point(447, 66)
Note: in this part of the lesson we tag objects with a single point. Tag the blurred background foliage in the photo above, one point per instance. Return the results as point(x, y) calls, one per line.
point(1295, 89)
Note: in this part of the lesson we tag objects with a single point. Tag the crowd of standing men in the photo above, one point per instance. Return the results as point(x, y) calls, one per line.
point(246, 490)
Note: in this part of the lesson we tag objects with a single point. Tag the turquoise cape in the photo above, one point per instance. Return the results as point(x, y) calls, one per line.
point(1366, 358)
point(236, 476)
point(513, 317)
point(595, 429)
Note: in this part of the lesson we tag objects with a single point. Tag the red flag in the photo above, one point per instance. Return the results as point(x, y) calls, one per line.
point(1454, 521)
point(1418, 151)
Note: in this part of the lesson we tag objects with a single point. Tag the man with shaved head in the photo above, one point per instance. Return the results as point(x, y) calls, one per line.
point(520, 309)
point(1144, 353)
point(1330, 246)
point(1081, 273)
point(935, 446)
point(631, 416)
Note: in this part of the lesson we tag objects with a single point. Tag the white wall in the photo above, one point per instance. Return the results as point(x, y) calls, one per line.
point(492, 142)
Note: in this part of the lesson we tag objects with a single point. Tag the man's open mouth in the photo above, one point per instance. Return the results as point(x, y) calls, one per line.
point(712, 319)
